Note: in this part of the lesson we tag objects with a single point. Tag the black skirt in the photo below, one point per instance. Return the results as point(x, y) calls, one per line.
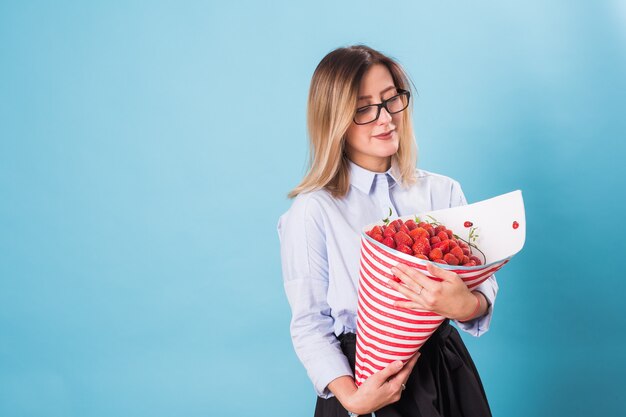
point(443, 383)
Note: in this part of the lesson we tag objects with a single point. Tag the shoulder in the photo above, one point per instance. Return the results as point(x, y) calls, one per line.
point(442, 190)
point(306, 207)
point(424, 177)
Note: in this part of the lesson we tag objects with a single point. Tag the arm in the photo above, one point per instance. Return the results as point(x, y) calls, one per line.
point(479, 324)
point(305, 275)
point(305, 272)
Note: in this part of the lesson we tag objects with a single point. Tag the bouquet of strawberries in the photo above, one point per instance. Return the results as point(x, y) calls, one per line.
point(450, 238)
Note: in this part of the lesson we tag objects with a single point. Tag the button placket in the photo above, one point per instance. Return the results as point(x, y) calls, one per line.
point(381, 193)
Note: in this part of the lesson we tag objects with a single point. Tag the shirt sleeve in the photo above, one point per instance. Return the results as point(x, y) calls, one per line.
point(305, 274)
point(489, 288)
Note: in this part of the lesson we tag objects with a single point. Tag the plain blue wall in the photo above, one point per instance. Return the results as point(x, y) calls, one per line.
point(146, 149)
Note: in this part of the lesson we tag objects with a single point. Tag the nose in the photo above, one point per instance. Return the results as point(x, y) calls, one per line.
point(384, 116)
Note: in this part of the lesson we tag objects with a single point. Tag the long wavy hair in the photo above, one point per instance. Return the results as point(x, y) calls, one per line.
point(331, 106)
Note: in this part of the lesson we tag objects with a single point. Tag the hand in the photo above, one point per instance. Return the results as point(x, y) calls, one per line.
point(449, 298)
point(382, 388)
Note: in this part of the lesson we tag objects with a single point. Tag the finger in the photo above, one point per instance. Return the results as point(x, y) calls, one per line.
point(408, 274)
point(403, 375)
point(411, 290)
point(381, 377)
point(435, 271)
point(412, 305)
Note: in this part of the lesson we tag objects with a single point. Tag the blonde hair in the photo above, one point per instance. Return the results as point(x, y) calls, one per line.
point(330, 109)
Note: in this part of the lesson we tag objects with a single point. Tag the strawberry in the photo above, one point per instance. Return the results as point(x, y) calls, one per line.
point(466, 251)
point(389, 242)
point(404, 229)
point(442, 235)
point(476, 259)
point(410, 224)
point(434, 240)
point(419, 255)
point(457, 252)
point(377, 237)
point(470, 263)
point(418, 233)
point(396, 224)
point(466, 259)
point(440, 261)
point(435, 254)
point(402, 238)
point(444, 245)
point(450, 234)
point(440, 228)
point(376, 230)
point(389, 231)
point(451, 259)
point(405, 249)
point(421, 246)
point(453, 243)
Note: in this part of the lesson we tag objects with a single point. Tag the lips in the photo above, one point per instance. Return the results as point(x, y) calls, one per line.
point(386, 135)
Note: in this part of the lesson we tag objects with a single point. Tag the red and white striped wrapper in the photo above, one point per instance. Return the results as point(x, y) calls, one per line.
point(386, 333)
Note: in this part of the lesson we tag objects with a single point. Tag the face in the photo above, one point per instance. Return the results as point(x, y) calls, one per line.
point(372, 145)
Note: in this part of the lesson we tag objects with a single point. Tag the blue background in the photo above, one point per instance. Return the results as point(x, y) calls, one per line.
point(146, 149)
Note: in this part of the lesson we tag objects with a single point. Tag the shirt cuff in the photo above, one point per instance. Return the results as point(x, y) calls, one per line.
point(330, 368)
point(480, 325)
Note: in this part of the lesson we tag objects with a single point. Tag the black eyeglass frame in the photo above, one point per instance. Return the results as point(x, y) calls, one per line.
point(384, 104)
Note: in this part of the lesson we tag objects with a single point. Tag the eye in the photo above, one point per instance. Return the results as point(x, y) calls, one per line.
point(362, 110)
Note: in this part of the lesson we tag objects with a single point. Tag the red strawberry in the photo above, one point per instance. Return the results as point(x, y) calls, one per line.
point(470, 263)
point(418, 233)
point(476, 259)
point(421, 246)
point(451, 259)
point(444, 245)
point(457, 252)
point(396, 224)
point(389, 242)
point(453, 243)
point(402, 238)
point(404, 229)
point(465, 259)
point(440, 261)
point(410, 224)
point(435, 254)
point(377, 237)
point(466, 251)
point(450, 234)
point(440, 228)
point(434, 240)
point(405, 249)
point(389, 231)
point(419, 255)
point(442, 235)
point(376, 230)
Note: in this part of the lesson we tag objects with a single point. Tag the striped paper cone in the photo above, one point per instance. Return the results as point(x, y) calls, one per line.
point(386, 333)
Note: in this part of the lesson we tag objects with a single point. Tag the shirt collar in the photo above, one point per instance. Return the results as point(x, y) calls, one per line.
point(363, 179)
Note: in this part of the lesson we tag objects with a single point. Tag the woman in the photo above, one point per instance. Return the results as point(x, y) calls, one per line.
point(362, 164)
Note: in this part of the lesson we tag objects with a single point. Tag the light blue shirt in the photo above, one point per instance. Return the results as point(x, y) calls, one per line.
point(320, 246)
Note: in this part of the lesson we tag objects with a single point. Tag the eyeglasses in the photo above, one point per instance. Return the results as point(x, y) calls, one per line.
point(393, 105)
